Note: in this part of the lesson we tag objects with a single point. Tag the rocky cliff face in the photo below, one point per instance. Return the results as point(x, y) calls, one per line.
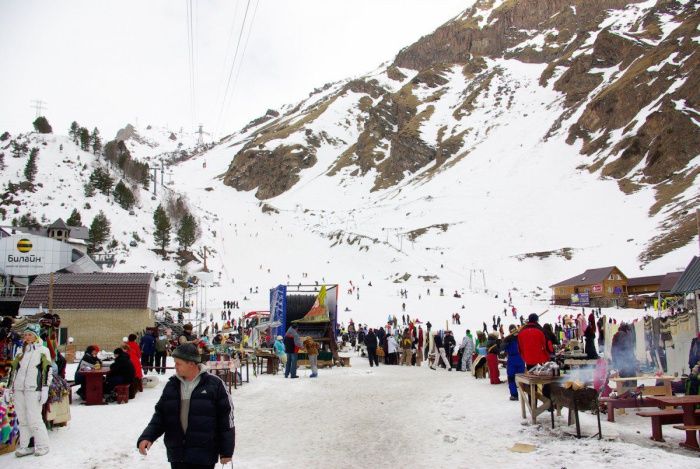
point(626, 72)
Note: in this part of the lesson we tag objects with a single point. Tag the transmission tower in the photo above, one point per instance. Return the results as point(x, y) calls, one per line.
point(200, 132)
point(38, 106)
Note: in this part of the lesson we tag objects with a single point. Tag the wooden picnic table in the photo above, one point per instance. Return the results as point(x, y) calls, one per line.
point(691, 421)
point(528, 388)
point(662, 390)
point(94, 386)
point(646, 399)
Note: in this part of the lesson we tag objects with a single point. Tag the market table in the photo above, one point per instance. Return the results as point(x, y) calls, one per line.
point(94, 386)
point(528, 387)
point(270, 360)
point(690, 419)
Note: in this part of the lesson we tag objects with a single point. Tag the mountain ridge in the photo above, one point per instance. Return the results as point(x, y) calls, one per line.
point(594, 57)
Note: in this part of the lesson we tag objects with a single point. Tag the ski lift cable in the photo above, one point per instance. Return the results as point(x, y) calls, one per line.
point(245, 47)
point(190, 56)
point(229, 44)
point(233, 63)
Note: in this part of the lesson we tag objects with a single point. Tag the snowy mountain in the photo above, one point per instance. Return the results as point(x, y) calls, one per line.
point(521, 143)
point(609, 85)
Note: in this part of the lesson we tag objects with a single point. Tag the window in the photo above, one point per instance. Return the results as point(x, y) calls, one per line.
point(610, 289)
point(63, 336)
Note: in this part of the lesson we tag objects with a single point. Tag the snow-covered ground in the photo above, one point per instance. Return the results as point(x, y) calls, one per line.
point(360, 416)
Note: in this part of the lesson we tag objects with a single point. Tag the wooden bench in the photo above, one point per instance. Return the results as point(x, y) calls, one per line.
point(624, 403)
point(687, 428)
point(344, 361)
point(663, 417)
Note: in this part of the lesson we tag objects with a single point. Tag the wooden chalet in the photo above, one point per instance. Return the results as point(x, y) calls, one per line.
point(643, 290)
point(602, 287)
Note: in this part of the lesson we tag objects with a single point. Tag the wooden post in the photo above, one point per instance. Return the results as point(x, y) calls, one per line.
point(50, 293)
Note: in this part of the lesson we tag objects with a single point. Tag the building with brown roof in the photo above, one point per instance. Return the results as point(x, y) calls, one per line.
point(602, 287)
point(95, 308)
point(643, 290)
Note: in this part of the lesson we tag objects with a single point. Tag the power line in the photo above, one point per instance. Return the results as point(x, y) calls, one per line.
point(191, 58)
point(233, 63)
point(229, 44)
point(245, 47)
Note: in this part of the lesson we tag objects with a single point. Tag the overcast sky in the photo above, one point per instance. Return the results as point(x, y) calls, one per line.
point(107, 63)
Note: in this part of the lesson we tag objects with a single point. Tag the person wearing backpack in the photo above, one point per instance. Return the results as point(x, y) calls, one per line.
point(406, 348)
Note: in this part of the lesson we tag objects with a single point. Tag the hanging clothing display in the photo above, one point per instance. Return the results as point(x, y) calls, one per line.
point(640, 348)
point(610, 330)
point(668, 341)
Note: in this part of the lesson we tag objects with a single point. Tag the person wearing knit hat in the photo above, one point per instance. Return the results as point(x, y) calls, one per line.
point(30, 380)
point(208, 418)
point(187, 352)
point(35, 330)
point(278, 346)
point(87, 363)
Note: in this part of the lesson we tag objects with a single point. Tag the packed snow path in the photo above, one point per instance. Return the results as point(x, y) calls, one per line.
point(349, 417)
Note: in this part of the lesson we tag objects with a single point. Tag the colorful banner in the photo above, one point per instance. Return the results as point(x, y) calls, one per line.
point(580, 299)
point(278, 307)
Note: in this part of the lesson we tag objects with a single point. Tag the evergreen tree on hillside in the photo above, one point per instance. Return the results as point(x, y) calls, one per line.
point(96, 141)
point(162, 228)
point(30, 168)
point(5, 135)
point(84, 137)
point(29, 221)
point(19, 148)
point(123, 195)
point(187, 233)
point(73, 132)
point(41, 125)
point(74, 218)
point(99, 232)
point(101, 180)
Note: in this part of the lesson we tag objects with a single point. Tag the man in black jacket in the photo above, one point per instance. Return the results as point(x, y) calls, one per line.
point(371, 344)
point(121, 371)
point(195, 412)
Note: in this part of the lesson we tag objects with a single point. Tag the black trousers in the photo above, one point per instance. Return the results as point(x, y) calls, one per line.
point(372, 355)
point(184, 465)
point(147, 363)
point(160, 362)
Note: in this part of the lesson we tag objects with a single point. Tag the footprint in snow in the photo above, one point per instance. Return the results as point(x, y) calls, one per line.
point(449, 439)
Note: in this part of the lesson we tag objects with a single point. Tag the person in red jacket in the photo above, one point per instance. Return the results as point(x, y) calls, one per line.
point(135, 356)
point(534, 347)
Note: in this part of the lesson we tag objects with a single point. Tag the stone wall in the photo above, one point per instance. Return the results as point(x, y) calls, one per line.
point(104, 328)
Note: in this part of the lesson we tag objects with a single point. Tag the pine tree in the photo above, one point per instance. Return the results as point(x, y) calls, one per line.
point(84, 136)
point(96, 141)
point(29, 221)
point(30, 168)
point(123, 195)
point(73, 132)
point(99, 232)
point(19, 149)
point(101, 180)
point(187, 233)
point(74, 218)
point(161, 234)
point(41, 125)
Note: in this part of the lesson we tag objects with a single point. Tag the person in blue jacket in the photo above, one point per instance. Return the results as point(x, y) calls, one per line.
point(148, 351)
point(514, 363)
point(279, 350)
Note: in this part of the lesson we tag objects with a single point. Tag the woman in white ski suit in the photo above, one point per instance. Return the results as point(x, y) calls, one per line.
point(29, 380)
